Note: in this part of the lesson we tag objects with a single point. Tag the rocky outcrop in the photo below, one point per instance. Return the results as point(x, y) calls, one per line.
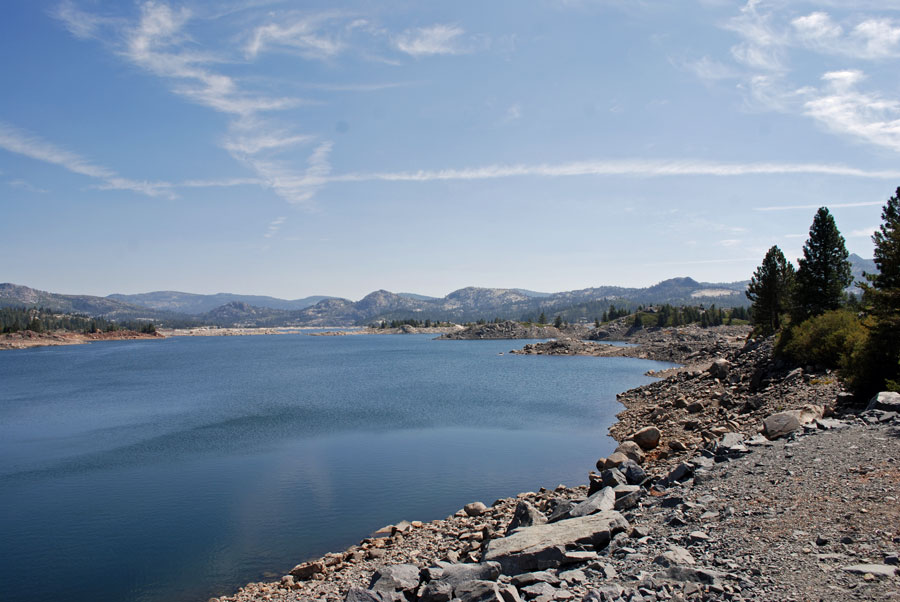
point(503, 330)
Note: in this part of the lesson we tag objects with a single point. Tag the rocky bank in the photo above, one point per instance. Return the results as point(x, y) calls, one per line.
point(747, 479)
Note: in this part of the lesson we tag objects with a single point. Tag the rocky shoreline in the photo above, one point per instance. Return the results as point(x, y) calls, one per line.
point(737, 478)
point(27, 339)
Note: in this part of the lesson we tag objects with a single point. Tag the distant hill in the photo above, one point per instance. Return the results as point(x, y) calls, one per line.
point(17, 295)
point(464, 305)
point(194, 304)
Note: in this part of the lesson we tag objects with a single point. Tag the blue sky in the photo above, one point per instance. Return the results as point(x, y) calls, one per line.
point(298, 148)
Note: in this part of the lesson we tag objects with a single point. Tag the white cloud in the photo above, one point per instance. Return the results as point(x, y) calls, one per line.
point(708, 69)
point(294, 187)
point(513, 113)
point(424, 41)
point(274, 227)
point(625, 167)
point(80, 24)
point(843, 109)
point(730, 242)
point(17, 141)
point(155, 44)
point(302, 36)
point(864, 232)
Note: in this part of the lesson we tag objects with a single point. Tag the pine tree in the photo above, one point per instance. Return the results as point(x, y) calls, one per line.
point(557, 323)
point(542, 319)
point(824, 271)
point(770, 292)
point(881, 297)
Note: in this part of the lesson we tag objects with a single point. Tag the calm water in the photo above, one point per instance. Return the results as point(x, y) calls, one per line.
point(181, 469)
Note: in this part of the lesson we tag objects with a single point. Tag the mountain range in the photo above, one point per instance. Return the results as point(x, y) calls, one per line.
point(172, 308)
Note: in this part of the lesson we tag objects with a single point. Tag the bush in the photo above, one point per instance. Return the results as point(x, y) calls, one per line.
point(828, 339)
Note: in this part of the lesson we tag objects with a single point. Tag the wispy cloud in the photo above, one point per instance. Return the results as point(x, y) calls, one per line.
point(274, 226)
point(302, 36)
point(842, 108)
point(424, 41)
point(635, 168)
point(816, 206)
point(864, 232)
point(23, 143)
point(513, 113)
point(23, 185)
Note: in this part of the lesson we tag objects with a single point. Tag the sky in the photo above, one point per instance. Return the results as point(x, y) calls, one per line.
point(292, 148)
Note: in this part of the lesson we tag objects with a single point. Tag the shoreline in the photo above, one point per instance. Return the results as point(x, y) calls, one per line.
point(702, 418)
point(28, 339)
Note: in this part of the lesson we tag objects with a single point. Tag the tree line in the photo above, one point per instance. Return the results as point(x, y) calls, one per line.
point(39, 319)
point(814, 319)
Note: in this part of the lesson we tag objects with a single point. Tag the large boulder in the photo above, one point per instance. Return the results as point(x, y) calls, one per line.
point(395, 578)
point(544, 546)
point(631, 450)
point(888, 401)
point(785, 423)
point(720, 368)
point(647, 438)
point(605, 499)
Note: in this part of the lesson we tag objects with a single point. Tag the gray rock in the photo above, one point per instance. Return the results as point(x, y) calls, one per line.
point(888, 401)
point(358, 594)
point(605, 499)
point(543, 546)
point(647, 438)
point(562, 509)
point(719, 368)
point(436, 591)
point(634, 474)
point(629, 500)
point(538, 589)
point(478, 591)
point(454, 574)
point(525, 515)
point(780, 424)
point(674, 556)
point(731, 444)
point(535, 577)
point(695, 408)
point(696, 575)
point(613, 476)
point(680, 473)
point(395, 577)
point(510, 594)
point(879, 570)
point(475, 509)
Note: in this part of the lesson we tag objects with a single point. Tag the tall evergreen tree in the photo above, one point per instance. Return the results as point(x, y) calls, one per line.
point(770, 291)
point(824, 270)
point(881, 297)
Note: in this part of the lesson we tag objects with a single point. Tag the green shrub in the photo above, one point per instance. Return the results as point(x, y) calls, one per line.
point(828, 339)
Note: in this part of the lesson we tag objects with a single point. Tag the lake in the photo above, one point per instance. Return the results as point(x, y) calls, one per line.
point(180, 469)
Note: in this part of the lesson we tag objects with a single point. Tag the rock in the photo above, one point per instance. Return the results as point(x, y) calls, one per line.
point(358, 594)
point(719, 368)
point(605, 499)
point(395, 578)
point(683, 573)
point(879, 570)
point(538, 589)
point(731, 444)
point(562, 509)
point(630, 449)
point(677, 446)
point(543, 546)
point(647, 438)
point(616, 459)
point(525, 515)
point(888, 401)
point(478, 591)
point(629, 500)
point(674, 556)
point(307, 569)
point(436, 591)
point(535, 577)
point(454, 574)
point(613, 477)
point(475, 509)
point(780, 424)
point(679, 473)
point(634, 474)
